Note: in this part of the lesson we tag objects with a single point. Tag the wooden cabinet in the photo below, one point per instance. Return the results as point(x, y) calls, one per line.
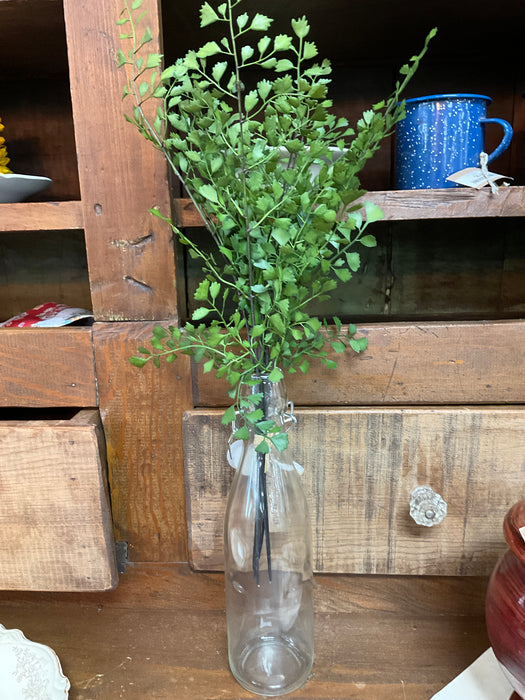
point(442, 303)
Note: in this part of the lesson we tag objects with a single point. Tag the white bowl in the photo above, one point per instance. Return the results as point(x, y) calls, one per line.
point(15, 188)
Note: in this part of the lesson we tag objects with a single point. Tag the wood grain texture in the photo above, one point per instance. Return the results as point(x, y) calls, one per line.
point(142, 414)
point(47, 367)
point(130, 252)
point(424, 363)
point(361, 466)
point(405, 205)
point(41, 216)
point(162, 634)
point(55, 523)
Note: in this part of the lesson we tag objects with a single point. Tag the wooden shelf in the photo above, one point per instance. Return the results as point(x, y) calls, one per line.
point(41, 216)
point(162, 634)
point(406, 205)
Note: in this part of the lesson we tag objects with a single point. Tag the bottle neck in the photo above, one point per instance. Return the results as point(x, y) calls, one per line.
point(273, 401)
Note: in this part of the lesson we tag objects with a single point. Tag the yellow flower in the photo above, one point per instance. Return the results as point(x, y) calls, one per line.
point(4, 160)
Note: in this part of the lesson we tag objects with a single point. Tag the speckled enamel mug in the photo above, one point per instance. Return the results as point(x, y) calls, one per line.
point(441, 135)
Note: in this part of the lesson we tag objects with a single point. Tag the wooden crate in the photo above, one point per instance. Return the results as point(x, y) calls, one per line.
point(55, 522)
point(361, 466)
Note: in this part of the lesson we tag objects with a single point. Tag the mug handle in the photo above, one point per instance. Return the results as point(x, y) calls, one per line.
point(507, 136)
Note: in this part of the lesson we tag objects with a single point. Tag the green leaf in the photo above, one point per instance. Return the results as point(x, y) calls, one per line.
point(359, 344)
point(261, 23)
point(207, 366)
point(282, 236)
point(283, 64)
point(209, 49)
point(354, 261)
point(242, 20)
point(208, 15)
point(301, 27)
point(241, 434)
point(136, 4)
point(275, 375)
point(138, 361)
point(282, 42)
point(199, 313)
point(338, 346)
point(228, 416)
point(201, 293)
point(373, 212)
point(263, 43)
point(343, 274)
point(215, 288)
point(219, 69)
point(280, 440)
point(263, 447)
point(368, 241)
point(309, 50)
point(209, 192)
point(246, 53)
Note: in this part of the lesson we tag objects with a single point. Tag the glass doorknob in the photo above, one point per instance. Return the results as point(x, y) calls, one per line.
point(426, 506)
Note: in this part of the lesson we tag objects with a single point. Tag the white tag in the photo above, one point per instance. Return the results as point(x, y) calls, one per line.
point(482, 680)
point(522, 533)
point(474, 177)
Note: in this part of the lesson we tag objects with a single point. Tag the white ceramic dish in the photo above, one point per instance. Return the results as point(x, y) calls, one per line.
point(29, 670)
point(16, 188)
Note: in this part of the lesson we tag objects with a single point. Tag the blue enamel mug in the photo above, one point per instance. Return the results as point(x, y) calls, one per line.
point(440, 135)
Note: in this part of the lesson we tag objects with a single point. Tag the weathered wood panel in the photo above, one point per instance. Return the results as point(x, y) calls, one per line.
point(361, 467)
point(41, 216)
point(130, 252)
point(47, 367)
point(142, 414)
point(427, 363)
point(55, 522)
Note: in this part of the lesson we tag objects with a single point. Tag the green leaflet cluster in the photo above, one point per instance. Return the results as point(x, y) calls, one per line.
point(245, 123)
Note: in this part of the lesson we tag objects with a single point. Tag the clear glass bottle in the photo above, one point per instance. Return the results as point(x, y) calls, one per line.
point(268, 569)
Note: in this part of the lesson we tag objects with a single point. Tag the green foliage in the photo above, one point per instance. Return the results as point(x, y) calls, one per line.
point(244, 122)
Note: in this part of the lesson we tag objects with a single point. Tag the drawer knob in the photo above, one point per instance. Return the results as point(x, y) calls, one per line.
point(426, 506)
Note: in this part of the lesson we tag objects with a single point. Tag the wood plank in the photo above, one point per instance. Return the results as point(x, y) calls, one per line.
point(161, 633)
point(41, 216)
point(361, 467)
point(130, 252)
point(47, 367)
point(142, 413)
point(424, 363)
point(55, 522)
point(405, 205)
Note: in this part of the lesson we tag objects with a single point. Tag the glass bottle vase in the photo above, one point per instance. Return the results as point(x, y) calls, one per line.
point(268, 570)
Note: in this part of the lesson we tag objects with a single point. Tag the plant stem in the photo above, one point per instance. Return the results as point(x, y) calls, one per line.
point(261, 526)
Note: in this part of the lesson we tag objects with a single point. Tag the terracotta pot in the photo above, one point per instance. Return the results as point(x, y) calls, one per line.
point(505, 603)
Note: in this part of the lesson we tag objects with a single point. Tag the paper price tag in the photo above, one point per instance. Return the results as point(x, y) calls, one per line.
point(475, 177)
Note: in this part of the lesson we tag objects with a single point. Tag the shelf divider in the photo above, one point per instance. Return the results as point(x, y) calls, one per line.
point(41, 216)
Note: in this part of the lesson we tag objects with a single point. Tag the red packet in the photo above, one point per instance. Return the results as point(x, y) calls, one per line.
point(49, 315)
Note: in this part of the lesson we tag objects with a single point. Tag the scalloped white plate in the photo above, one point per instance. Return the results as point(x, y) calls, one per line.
point(15, 188)
point(29, 670)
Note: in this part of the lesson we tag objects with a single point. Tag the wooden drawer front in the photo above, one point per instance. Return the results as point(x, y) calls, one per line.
point(55, 523)
point(407, 364)
point(361, 467)
point(47, 367)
